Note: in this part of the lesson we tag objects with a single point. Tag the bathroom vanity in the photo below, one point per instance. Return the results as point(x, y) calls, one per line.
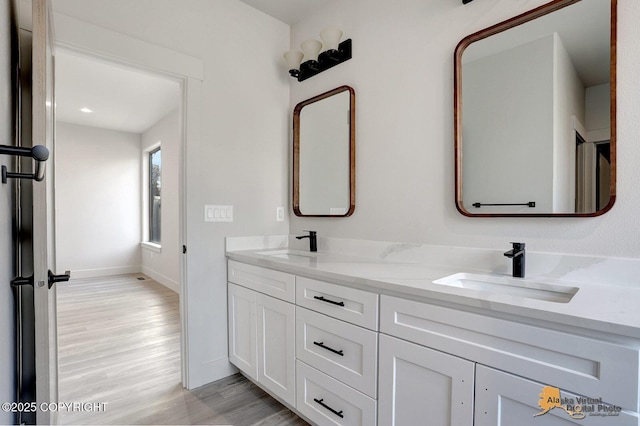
point(396, 336)
point(371, 333)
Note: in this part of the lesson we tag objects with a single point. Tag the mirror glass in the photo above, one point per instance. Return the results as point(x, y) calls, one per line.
point(324, 154)
point(535, 113)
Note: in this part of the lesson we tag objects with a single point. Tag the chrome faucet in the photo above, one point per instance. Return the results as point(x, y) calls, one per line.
point(313, 240)
point(516, 254)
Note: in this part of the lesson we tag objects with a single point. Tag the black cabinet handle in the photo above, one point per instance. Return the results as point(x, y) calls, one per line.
point(337, 413)
point(321, 344)
point(322, 299)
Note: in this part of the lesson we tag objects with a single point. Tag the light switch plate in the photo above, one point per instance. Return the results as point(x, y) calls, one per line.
point(280, 214)
point(216, 213)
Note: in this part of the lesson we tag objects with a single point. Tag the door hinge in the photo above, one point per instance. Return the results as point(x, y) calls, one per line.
point(184, 249)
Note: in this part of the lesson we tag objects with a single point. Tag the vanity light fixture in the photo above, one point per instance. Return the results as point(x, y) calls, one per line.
point(317, 57)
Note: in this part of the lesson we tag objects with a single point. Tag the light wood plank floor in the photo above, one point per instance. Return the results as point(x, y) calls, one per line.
point(119, 344)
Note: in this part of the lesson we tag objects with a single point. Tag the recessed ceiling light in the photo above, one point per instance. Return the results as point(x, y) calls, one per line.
point(85, 109)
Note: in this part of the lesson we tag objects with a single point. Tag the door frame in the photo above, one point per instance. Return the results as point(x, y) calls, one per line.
point(98, 43)
point(42, 207)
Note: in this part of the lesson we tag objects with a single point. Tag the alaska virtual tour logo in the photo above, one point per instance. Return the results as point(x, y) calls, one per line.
point(577, 408)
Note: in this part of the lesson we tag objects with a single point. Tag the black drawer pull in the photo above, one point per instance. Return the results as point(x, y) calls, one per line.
point(322, 299)
point(321, 344)
point(337, 413)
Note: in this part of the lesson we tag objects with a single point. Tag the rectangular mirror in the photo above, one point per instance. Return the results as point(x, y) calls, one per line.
point(324, 154)
point(535, 113)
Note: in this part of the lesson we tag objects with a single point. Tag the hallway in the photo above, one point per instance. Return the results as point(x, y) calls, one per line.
point(119, 344)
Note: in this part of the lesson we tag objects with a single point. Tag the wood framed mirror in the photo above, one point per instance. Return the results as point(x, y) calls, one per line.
point(535, 113)
point(324, 142)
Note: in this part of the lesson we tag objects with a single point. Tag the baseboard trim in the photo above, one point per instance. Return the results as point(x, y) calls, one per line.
point(212, 371)
point(105, 272)
point(162, 279)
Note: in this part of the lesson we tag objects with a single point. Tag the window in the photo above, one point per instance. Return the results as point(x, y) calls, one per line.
point(155, 191)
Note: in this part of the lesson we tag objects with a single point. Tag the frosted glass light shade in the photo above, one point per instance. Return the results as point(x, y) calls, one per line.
point(293, 58)
point(331, 38)
point(311, 48)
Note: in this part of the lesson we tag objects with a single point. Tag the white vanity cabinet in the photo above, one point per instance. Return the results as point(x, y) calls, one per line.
point(262, 328)
point(319, 355)
point(513, 363)
point(345, 356)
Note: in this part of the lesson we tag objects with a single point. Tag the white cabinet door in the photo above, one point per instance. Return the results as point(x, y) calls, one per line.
point(276, 347)
point(262, 340)
point(420, 386)
point(347, 304)
point(503, 399)
point(339, 349)
point(329, 402)
point(243, 329)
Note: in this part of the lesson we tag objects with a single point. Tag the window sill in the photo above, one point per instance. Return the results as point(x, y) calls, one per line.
point(151, 246)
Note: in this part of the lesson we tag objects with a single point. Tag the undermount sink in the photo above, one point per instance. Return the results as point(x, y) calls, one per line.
point(510, 286)
point(287, 254)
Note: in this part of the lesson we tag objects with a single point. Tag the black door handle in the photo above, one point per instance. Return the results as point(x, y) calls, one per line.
point(53, 278)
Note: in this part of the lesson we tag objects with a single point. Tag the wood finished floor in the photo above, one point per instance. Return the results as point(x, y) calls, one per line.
point(119, 343)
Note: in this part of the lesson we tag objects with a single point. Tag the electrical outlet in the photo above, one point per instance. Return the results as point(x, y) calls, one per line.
point(280, 214)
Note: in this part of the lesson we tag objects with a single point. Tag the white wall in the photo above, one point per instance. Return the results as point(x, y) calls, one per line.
point(164, 266)
point(569, 101)
point(241, 158)
point(402, 72)
point(597, 112)
point(511, 161)
point(7, 322)
point(97, 201)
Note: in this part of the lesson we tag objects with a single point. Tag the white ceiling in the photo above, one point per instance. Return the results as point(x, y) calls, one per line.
point(130, 100)
point(288, 11)
point(586, 39)
point(120, 98)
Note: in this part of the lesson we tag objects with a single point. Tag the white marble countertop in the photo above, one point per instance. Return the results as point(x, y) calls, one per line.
point(611, 309)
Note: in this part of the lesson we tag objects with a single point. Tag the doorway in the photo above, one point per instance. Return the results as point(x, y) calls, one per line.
point(593, 174)
point(603, 173)
point(108, 115)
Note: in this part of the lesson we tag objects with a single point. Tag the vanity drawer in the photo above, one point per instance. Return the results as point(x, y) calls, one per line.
point(274, 283)
point(339, 349)
point(348, 304)
point(326, 401)
point(582, 365)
